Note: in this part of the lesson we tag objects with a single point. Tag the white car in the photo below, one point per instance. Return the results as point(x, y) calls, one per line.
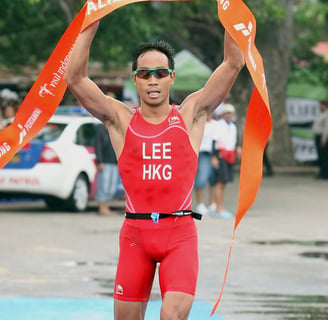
point(58, 165)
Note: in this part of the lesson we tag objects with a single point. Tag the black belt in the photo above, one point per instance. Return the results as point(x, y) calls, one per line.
point(155, 216)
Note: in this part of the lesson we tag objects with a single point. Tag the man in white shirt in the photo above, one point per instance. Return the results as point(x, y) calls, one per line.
point(225, 151)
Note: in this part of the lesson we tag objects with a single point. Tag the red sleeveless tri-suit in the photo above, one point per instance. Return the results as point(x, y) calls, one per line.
point(154, 163)
point(157, 167)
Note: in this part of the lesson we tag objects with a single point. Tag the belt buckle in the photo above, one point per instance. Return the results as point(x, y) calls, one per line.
point(155, 217)
point(179, 213)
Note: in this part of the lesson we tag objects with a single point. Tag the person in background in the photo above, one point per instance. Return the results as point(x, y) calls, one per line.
point(320, 130)
point(9, 103)
point(2, 123)
point(107, 179)
point(204, 167)
point(9, 110)
point(225, 153)
point(267, 163)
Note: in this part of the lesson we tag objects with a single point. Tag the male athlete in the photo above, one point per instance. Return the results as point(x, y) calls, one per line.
point(157, 147)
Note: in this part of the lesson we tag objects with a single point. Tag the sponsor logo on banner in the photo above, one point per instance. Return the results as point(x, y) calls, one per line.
point(95, 5)
point(246, 31)
point(57, 77)
point(4, 148)
point(28, 124)
point(44, 90)
point(225, 4)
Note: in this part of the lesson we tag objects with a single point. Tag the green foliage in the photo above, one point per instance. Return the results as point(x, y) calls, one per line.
point(119, 34)
point(181, 24)
point(310, 24)
point(30, 29)
point(310, 21)
point(266, 11)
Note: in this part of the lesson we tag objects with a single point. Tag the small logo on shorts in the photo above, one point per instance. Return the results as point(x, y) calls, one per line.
point(119, 289)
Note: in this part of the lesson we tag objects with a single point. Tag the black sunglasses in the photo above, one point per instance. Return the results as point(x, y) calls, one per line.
point(159, 73)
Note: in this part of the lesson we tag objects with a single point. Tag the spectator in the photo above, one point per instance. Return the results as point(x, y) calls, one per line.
point(9, 110)
point(225, 151)
point(204, 167)
point(267, 163)
point(8, 105)
point(107, 179)
point(320, 130)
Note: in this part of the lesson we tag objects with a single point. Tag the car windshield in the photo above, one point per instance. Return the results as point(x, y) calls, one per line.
point(51, 131)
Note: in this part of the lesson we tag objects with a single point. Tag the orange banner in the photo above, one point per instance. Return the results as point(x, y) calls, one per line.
point(43, 98)
point(240, 23)
point(47, 92)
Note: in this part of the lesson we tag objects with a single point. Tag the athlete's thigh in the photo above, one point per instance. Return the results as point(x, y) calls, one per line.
point(135, 270)
point(178, 271)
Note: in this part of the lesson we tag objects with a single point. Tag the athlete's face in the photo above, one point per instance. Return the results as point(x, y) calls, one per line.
point(153, 91)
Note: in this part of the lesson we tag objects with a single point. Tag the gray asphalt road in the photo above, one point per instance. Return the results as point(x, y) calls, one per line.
point(278, 267)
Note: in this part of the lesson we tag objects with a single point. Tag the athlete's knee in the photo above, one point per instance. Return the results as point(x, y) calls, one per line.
point(176, 313)
point(176, 306)
point(125, 310)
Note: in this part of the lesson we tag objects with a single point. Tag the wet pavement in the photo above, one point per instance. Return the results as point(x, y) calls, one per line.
point(278, 268)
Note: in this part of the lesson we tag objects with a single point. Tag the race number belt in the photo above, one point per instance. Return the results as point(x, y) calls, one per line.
point(155, 216)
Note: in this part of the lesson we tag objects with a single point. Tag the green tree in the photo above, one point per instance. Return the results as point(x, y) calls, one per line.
point(29, 30)
point(311, 26)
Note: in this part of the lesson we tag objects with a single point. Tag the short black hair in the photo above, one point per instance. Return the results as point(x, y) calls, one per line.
point(158, 45)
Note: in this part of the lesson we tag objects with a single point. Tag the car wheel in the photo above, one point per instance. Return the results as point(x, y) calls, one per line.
point(78, 200)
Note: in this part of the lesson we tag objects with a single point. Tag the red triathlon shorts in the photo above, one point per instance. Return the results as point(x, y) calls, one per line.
point(172, 242)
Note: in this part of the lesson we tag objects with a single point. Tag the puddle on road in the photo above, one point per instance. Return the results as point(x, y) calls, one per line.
point(290, 307)
point(284, 307)
point(104, 283)
point(107, 284)
point(89, 263)
point(272, 306)
point(304, 243)
point(318, 255)
point(310, 243)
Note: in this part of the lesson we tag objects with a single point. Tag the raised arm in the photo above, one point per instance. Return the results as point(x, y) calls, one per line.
point(196, 107)
point(220, 82)
point(85, 90)
point(113, 113)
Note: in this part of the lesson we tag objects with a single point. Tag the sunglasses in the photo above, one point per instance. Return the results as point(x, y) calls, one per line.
point(159, 73)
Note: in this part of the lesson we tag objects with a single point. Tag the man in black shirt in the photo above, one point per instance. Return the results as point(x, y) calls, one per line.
point(108, 177)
